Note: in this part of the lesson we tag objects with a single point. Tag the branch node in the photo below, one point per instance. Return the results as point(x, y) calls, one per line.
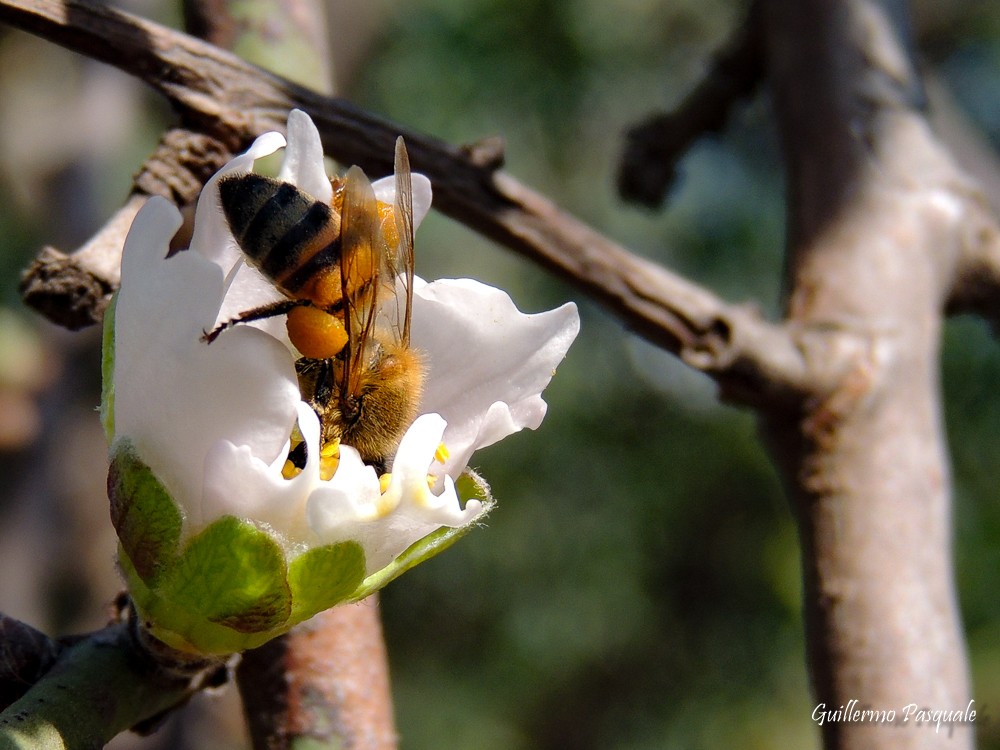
point(69, 295)
point(712, 349)
point(487, 153)
point(181, 163)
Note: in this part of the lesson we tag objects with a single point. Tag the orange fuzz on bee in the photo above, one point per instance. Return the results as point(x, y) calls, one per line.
point(339, 266)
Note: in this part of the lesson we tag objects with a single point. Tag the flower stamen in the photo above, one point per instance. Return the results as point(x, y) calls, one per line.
point(441, 453)
point(329, 460)
point(289, 470)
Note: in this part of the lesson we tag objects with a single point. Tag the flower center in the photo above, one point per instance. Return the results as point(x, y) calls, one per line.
point(329, 459)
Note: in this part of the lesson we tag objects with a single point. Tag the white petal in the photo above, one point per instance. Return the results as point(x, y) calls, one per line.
point(487, 363)
point(422, 197)
point(248, 289)
point(349, 499)
point(212, 237)
point(240, 484)
point(237, 483)
point(214, 241)
point(303, 165)
point(410, 469)
point(175, 396)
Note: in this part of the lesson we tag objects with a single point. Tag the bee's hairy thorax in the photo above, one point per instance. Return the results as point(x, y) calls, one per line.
point(372, 416)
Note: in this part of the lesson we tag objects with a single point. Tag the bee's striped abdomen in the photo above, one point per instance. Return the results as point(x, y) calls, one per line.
point(325, 259)
point(282, 230)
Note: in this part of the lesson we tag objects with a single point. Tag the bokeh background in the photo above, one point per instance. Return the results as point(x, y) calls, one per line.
point(638, 585)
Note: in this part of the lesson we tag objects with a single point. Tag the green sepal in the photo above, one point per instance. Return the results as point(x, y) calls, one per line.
point(183, 629)
point(226, 589)
point(146, 518)
point(324, 576)
point(233, 574)
point(226, 592)
point(108, 370)
point(469, 486)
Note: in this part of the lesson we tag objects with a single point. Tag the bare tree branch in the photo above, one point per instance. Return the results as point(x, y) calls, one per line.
point(876, 212)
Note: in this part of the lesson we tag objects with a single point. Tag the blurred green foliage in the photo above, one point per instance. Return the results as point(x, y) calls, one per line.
point(638, 585)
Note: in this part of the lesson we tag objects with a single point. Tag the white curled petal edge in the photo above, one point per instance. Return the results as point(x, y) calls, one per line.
point(303, 165)
point(487, 362)
point(386, 524)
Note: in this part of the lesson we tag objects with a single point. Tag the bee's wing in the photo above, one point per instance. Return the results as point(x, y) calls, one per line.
point(361, 270)
point(403, 214)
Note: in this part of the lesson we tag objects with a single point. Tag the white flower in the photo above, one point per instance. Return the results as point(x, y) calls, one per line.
point(213, 422)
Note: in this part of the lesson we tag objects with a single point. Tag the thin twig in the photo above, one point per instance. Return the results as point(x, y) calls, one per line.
point(654, 146)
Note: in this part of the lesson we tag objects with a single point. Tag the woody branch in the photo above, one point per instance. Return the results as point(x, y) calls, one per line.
point(877, 219)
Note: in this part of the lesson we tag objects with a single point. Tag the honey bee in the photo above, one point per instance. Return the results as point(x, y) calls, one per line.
point(337, 265)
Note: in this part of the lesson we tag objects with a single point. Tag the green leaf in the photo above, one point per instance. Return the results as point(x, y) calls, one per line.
point(470, 486)
point(324, 577)
point(146, 518)
point(232, 574)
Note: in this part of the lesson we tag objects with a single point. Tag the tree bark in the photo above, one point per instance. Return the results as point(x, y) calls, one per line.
point(873, 229)
point(327, 680)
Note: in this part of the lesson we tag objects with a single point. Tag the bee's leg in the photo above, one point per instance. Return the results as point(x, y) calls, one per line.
point(324, 382)
point(257, 313)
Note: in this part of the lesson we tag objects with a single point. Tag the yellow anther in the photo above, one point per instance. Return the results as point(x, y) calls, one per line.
point(329, 460)
point(383, 482)
point(441, 453)
point(290, 470)
point(328, 467)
